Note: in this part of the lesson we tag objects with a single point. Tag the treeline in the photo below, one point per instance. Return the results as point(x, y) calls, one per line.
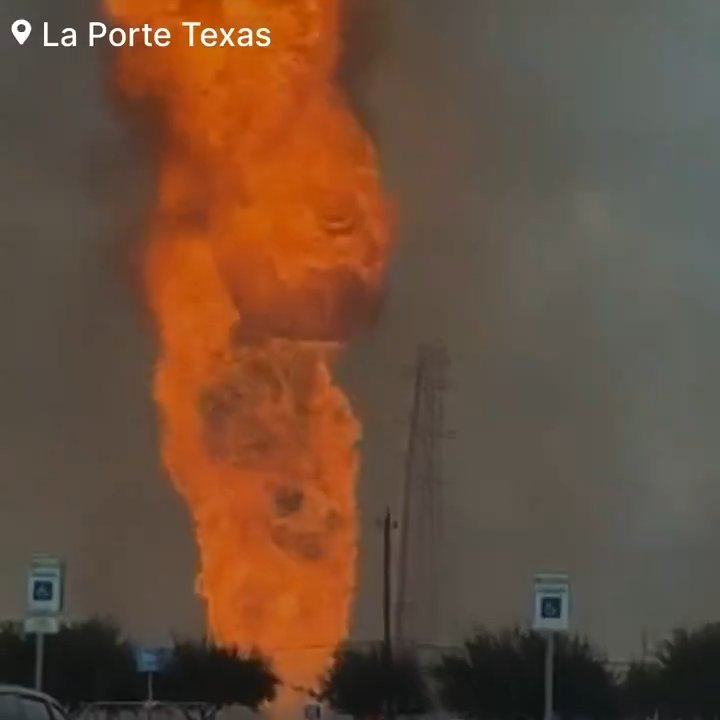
point(93, 662)
point(500, 676)
point(494, 676)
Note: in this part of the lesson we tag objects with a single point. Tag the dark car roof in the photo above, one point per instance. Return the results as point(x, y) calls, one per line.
point(19, 690)
point(28, 692)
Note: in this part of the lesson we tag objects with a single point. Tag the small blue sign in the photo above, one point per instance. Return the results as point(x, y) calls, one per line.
point(551, 607)
point(151, 660)
point(43, 590)
point(45, 586)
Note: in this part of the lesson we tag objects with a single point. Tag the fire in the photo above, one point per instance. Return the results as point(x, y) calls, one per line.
point(265, 254)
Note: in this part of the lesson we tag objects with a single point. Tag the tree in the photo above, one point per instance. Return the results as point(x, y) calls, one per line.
point(216, 675)
point(502, 676)
point(16, 655)
point(89, 662)
point(83, 662)
point(584, 683)
point(689, 670)
point(92, 662)
point(640, 692)
point(357, 683)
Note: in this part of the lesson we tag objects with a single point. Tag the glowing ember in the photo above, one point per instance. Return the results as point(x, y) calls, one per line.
point(265, 254)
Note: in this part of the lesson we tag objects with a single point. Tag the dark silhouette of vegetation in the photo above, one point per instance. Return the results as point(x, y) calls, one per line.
point(640, 692)
point(689, 675)
point(357, 683)
point(93, 662)
point(89, 662)
point(501, 676)
point(216, 675)
point(496, 676)
point(17, 655)
point(681, 681)
point(86, 662)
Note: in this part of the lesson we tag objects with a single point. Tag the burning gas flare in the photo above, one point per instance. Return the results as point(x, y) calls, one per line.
point(265, 254)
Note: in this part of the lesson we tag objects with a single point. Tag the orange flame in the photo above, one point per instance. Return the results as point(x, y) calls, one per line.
point(265, 254)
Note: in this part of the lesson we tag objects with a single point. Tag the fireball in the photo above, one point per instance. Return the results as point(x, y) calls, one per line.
point(264, 255)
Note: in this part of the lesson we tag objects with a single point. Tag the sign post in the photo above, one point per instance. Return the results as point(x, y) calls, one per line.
point(549, 711)
point(150, 661)
point(552, 615)
point(44, 604)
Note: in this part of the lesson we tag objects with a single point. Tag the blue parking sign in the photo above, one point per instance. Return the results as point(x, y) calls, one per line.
point(552, 602)
point(43, 590)
point(45, 586)
point(151, 660)
point(551, 607)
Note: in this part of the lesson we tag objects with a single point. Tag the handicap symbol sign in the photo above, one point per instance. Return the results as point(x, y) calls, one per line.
point(151, 660)
point(43, 590)
point(551, 607)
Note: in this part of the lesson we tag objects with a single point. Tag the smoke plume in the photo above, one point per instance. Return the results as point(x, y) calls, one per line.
point(555, 169)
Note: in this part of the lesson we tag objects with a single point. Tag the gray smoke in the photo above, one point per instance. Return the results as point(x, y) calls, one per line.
point(555, 165)
point(79, 468)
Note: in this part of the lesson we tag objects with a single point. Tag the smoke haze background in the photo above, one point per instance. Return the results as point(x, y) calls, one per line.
point(555, 171)
point(555, 166)
point(79, 467)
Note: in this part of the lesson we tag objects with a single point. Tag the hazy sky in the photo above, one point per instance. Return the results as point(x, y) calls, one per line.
point(555, 167)
point(79, 474)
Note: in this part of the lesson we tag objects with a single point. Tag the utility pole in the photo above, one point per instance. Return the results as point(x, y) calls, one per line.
point(417, 602)
point(388, 526)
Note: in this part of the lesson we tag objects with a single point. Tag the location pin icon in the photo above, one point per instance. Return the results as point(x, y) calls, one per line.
point(21, 29)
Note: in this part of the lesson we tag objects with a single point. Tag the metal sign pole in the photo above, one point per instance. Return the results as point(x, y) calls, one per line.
point(552, 616)
point(44, 604)
point(39, 658)
point(549, 675)
point(150, 696)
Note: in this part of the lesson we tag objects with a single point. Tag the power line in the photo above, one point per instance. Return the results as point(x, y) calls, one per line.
point(417, 606)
